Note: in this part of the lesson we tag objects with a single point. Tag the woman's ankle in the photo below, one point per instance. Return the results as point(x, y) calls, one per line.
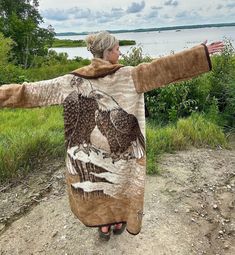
point(118, 226)
point(105, 229)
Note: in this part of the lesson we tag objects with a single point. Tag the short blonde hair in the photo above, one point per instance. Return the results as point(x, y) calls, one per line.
point(98, 43)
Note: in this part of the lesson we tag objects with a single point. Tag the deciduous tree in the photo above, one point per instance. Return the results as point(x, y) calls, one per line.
point(20, 20)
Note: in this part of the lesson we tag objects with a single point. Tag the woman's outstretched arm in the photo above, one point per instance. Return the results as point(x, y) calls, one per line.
point(36, 94)
point(173, 68)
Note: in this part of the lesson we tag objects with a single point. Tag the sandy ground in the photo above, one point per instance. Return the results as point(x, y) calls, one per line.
point(189, 209)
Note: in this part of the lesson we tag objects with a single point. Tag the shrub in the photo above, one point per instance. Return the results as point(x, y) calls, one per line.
point(210, 91)
point(134, 57)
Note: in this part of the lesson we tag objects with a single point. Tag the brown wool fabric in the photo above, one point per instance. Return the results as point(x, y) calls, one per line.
point(12, 95)
point(104, 120)
point(98, 68)
point(174, 68)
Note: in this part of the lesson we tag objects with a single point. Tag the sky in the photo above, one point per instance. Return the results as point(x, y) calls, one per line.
point(91, 15)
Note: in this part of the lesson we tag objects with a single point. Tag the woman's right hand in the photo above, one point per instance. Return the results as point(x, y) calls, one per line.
point(214, 47)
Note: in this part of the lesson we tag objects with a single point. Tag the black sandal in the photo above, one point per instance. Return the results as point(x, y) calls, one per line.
point(104, 235)
point(117, 231)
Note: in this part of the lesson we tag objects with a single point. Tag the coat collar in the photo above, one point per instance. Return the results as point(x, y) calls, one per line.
point(98, 68)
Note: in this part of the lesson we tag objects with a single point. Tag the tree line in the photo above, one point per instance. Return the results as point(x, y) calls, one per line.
point(20, 21)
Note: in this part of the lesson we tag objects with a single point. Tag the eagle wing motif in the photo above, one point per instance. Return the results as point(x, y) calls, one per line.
point(127, 124)
point(79, 122)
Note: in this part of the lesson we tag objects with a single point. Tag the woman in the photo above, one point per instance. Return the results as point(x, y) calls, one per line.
point(105, 127)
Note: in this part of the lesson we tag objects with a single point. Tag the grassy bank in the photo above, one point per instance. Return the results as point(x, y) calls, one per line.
point(51, 71)
point(29, 136)
point(195, 131)
point(192, 113)
point(60, 43)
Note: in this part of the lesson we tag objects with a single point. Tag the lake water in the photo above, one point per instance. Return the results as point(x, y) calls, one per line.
point(156, 44)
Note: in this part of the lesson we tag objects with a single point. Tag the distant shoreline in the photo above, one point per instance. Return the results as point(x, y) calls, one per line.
point(58, 43)
point(152, 29)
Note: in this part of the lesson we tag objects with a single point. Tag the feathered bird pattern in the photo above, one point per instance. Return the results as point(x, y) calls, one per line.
point(87, 108)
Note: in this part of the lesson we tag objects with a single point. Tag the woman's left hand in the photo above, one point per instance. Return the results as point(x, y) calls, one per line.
point(214, 47)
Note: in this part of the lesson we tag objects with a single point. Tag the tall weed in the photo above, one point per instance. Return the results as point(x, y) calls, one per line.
point(27, 137)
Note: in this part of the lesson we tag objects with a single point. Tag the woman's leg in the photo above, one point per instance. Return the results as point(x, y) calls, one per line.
point(119, 228)
point(105, 232)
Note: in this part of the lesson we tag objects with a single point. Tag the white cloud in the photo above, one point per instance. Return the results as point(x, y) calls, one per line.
point(136, 7)
point(87, 15)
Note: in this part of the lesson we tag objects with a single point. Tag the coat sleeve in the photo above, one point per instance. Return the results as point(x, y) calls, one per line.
point(36, 94)
point(173, 68)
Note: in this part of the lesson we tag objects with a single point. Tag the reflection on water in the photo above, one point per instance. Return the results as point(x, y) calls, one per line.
point(157, 44)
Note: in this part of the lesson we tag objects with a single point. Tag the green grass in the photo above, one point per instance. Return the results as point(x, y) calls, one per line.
point(127, 42)
point(27, 137)
point(194, 131)
point(59, 43)
point(49, 72)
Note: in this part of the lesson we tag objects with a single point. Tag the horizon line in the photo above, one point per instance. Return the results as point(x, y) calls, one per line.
point(153, 28)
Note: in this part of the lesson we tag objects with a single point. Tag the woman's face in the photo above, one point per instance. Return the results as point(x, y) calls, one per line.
point(113, 55)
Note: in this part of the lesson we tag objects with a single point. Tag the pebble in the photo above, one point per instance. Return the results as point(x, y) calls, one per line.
point(55, 233)
point(231, 206)
point(2, 226)
point(176, 210)
point(187, 210)
point(221, 232)
point(63, 238)
point(59, 177)
point(226, 245)
point(25, 191)
point(215, 206)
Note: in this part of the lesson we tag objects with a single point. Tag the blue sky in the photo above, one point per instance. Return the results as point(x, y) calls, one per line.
point(91, 15)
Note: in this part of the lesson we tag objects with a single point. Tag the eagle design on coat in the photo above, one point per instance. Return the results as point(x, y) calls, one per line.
point(79, 115)
point(119, 127)
point(79, 121)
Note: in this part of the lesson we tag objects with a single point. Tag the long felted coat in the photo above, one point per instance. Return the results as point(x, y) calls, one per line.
point(105, 130)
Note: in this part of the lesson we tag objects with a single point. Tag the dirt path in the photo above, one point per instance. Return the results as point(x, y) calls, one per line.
point(189, 209)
